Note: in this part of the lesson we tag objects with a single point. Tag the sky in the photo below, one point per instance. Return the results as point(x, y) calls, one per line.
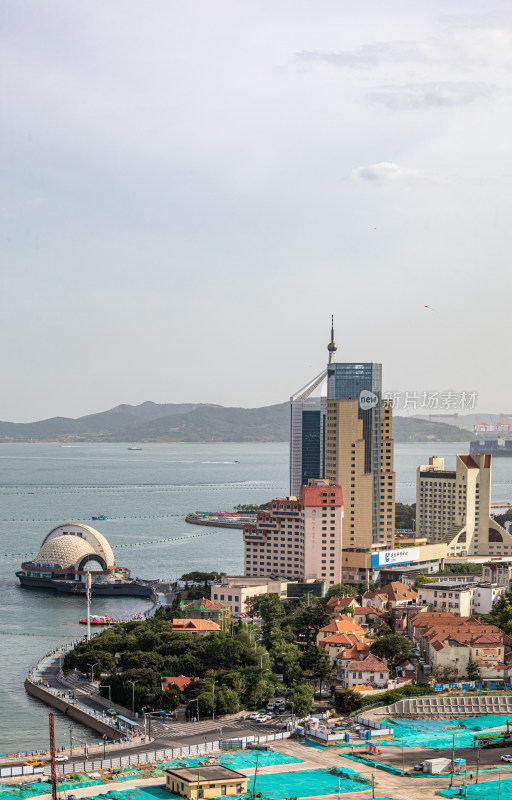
point(190, 189)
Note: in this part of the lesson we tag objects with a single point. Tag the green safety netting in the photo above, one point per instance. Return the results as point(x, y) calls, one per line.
point(490, 790)
point(33, 789)
point(437, 734)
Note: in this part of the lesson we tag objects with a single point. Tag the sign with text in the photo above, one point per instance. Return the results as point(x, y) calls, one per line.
point(387, 558)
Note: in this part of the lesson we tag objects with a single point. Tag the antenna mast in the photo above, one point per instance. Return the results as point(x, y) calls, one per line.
point(52, 757)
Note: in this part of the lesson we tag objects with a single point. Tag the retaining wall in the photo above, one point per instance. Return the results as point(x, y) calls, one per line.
point(444, 707)
point(70, 710)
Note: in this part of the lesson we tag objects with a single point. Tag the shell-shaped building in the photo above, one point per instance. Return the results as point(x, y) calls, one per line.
point(73, 547)
point(71, 551)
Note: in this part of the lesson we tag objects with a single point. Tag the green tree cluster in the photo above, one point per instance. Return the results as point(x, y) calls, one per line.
point(456, 568)
point(405, 516)
point(234, 670)
point(421, 580)
point(393, 647)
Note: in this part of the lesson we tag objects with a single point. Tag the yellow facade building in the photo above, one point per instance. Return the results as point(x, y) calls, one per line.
point(208, 780)
point(453, 507)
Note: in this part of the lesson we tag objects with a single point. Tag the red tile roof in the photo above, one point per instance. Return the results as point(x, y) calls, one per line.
point(181, 681)
point(369, 664)
point(397, 591)
point(341, 602)
point(343, 624)
point(194, 625)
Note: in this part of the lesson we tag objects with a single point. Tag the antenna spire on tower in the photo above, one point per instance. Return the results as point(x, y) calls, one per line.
point(332, 346)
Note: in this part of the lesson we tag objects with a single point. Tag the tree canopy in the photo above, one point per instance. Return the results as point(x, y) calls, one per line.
point(342, 590)
point(393, 647)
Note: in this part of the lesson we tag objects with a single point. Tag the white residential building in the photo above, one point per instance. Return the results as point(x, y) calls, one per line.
point(461, 599)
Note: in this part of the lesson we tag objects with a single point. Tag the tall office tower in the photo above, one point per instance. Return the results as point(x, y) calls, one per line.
point(359, 453)
point(454, 507)
point(299, 539)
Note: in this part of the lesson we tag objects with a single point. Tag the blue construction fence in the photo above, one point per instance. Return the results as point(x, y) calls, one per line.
point(483, 686)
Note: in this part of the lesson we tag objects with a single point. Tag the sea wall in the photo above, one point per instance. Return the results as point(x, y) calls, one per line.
point(70, 710)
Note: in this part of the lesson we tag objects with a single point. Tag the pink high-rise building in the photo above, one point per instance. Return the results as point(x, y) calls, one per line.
point(299, 538)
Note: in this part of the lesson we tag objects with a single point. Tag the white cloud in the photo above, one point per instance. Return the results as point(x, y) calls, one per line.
point(443, 94)
point(386, 172)
point(462, 45)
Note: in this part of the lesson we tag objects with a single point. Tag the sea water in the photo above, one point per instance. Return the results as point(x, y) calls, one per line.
point(145, 495)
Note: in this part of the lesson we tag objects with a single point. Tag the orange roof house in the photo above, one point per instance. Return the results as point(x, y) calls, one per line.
point(342, 624)
point(335, 605)
point(371, 670)
point(392, 595)
point(181, 681)
point(199, 626)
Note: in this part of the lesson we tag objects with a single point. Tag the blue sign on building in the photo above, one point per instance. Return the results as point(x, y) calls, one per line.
point(492, 686)
point(438, 687)
point(452, 685)
point(466, 687)
point(479, 686)
point(507, 685)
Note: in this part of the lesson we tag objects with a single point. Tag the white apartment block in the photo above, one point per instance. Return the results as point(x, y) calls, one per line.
point(499, 572)
point(299, 538)
point(460, 599)
point(453, 506)
point(236, 590)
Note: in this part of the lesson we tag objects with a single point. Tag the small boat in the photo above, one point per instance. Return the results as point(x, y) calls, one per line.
point(99, 516)
point(236, 461)
point(96, 619)
point(135, 448)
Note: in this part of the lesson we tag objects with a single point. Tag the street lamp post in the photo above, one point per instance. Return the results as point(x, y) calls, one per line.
point(107, 686)
point(92, 670)
point(213, 693)
point(133, 694)
point(70, 739)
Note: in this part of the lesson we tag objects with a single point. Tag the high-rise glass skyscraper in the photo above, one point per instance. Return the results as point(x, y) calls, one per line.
point(349, 442)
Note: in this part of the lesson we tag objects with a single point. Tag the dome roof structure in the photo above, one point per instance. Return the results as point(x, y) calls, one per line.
point(72, 545)
point(66, 551)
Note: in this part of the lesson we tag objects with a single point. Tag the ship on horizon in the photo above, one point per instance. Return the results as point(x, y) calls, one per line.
point(494, 447)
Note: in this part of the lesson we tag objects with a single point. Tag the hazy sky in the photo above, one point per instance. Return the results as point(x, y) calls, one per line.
point(190, 189)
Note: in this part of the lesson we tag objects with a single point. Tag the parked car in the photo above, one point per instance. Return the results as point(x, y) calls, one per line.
point(419, 767)
point(112, 712)
point(61, 758)
point(254, 715)
point(264, 717)
point(507, 758)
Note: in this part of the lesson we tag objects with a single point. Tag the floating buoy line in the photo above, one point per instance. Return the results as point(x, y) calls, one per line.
point(133, 544)
point(14, 489)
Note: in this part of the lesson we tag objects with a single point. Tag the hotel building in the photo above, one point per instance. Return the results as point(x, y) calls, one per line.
point(345, 436)
point(453, 507)
point(299, 538)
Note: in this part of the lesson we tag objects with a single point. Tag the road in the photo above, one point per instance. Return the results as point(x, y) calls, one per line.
point(172, 733)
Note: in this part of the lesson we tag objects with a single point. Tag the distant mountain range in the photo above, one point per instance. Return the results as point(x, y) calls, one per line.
point(197, 422)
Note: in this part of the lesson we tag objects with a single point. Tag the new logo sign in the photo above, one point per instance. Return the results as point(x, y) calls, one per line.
point(367, 400)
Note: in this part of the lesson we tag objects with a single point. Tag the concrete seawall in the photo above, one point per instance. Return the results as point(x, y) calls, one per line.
point(59, 703)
